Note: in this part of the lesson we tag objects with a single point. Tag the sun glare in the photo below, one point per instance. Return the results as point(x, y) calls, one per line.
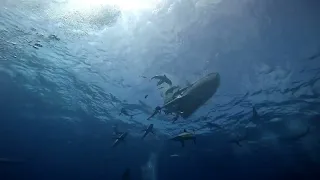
point(123, 5)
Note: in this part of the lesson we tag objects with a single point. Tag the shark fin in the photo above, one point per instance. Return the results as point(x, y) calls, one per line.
point(153, 132)
point(184, 130)
point(194, 141)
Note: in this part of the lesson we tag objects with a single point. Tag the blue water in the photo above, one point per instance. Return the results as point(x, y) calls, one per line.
point(67, 68)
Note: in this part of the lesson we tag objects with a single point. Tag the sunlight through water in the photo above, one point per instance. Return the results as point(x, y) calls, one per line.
point(123, 5)
point(98, 13)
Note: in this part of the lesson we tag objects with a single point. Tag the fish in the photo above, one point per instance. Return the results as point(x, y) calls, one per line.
point(297, 136)
point(315, 56)
point(175, 118)
point(157, 110)
point(162, 79)
point(185, 136)
point(148, 130)
point(174, 155)
point(125, 112)
point(238, 139)
point(120, 139)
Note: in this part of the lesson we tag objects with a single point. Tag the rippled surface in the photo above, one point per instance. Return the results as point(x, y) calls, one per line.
point(82, 59)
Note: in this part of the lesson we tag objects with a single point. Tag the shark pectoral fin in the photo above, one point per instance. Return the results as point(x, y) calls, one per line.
point(182, 143)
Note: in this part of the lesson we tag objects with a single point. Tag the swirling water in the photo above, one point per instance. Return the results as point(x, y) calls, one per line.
point(67, 68)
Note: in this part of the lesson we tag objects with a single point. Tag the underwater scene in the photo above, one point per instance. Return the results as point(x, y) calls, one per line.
point(159, 89)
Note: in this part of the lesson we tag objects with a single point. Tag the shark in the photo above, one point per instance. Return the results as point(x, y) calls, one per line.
point(120, 139)
point(156, 111)
point(174, 155)
point(162, 79)
point(148, 130)
point(175, 118)
point(184, 136)
point(125, 112)
point(296, 136)
point(119, 136)
point(237, 139)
